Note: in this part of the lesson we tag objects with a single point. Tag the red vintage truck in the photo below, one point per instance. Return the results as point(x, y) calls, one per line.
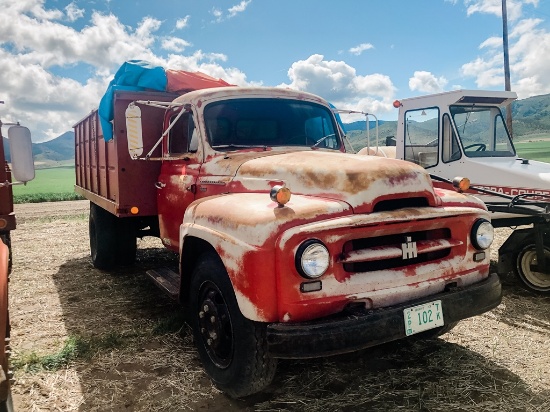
point(288, 246)
point(23, 171)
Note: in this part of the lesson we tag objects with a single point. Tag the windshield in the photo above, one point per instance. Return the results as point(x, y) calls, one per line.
point(269, 122)
point(482, 132)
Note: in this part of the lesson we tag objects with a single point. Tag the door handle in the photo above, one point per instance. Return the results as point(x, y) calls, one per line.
point(160, 185)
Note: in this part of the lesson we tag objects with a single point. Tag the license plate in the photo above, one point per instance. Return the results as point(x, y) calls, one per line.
point(423, 317)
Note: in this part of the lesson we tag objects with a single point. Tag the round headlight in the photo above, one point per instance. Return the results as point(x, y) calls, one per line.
point(482, 234)
point(312, 259)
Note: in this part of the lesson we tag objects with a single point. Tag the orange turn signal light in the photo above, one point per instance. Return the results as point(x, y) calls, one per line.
point(397, 104)
point(461, 183)
point(134, 210)
point(280, 194)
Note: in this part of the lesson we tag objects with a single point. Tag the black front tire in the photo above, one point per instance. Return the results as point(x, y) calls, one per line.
point(232, 348)
point(526, 269)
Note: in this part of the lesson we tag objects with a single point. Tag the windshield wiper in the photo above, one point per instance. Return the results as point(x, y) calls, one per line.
point(322, 139)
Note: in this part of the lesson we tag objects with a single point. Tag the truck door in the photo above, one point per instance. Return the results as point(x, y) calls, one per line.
point(178, 175)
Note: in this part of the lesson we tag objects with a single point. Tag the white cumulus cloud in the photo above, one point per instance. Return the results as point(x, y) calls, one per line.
point(357, 50)
point(175, 44)
point(427, 82)
point(73, 12)
point(182, 23)
point(239, 8)
point(529, 54)
point(36, 42)
point(340, 84)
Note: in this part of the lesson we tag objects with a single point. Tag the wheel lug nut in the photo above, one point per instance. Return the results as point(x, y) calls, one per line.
point(212, 319)
point(201, 314)
point(209, 341)
point(205, 308)
point(214, 336)
point(203, 330)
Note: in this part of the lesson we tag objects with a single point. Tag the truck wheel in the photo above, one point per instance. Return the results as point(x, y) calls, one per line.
point(126, 242)
point(103, 237)
point(233, 349)
point(112, 239)
point(526, 270)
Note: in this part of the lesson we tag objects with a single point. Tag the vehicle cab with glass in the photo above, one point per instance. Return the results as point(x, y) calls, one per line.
point(438, 130)
point(463, 133)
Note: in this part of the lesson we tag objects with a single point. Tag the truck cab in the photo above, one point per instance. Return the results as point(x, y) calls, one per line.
point(463, 133)
point(460, 131)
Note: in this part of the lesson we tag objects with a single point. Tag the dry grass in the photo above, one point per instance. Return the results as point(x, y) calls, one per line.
point(495, 362)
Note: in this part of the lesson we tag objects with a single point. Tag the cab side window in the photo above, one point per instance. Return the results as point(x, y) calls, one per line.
point(181, 133)
point(450, 146)
point(422, 136)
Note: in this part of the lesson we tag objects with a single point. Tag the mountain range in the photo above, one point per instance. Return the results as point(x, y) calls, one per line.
point(531, 119)
point(51, 153)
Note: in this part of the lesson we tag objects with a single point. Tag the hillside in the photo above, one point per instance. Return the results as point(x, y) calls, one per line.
point(531, 119)
point(58, 151)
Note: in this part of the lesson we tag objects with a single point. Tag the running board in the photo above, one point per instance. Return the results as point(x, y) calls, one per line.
point(167, 280)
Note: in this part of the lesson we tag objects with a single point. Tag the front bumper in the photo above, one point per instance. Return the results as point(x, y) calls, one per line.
point(362, 329)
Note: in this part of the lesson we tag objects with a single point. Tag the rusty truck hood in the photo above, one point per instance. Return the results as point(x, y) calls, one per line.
point(360, 181)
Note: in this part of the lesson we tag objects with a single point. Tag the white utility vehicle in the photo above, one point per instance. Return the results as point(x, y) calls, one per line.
point(463, 133)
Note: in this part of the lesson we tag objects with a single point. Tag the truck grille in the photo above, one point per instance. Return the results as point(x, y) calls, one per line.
point(398, 250)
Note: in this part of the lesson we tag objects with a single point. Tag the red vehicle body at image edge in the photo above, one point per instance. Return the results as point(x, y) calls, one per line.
point(289, 247)
point(23, 171)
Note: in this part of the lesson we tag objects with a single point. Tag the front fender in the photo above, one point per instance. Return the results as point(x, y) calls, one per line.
point(243, 229)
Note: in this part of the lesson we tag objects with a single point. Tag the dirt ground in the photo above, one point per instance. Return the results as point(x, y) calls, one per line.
point(133, 352)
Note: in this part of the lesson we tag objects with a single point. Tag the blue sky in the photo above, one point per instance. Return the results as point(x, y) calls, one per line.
point(57, 56)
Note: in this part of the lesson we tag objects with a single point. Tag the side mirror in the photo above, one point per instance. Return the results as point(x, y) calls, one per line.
point(22, 164)
point(134, 133)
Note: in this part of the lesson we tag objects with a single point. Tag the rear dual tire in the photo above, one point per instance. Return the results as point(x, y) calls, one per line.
point(112, 239)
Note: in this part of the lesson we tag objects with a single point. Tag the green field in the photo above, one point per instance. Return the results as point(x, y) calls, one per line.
point(52, 184)
point(539, 150)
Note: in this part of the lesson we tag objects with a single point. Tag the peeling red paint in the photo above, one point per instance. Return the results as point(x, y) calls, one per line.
point(345, 201)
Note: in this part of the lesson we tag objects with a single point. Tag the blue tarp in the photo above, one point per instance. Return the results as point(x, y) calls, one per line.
point(133, 75)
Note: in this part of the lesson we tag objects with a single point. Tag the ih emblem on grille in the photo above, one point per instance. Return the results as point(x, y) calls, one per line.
point(409, 249)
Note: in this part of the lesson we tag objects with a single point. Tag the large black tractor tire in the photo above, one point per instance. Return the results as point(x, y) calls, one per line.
point(112, 239)
point(232, 348)
point(527, 271)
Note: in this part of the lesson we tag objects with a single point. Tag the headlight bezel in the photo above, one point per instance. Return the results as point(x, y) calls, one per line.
point(477, 236)
point(309, 248)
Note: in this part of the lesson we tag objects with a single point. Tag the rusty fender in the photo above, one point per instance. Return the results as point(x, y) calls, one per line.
point(243, 228)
